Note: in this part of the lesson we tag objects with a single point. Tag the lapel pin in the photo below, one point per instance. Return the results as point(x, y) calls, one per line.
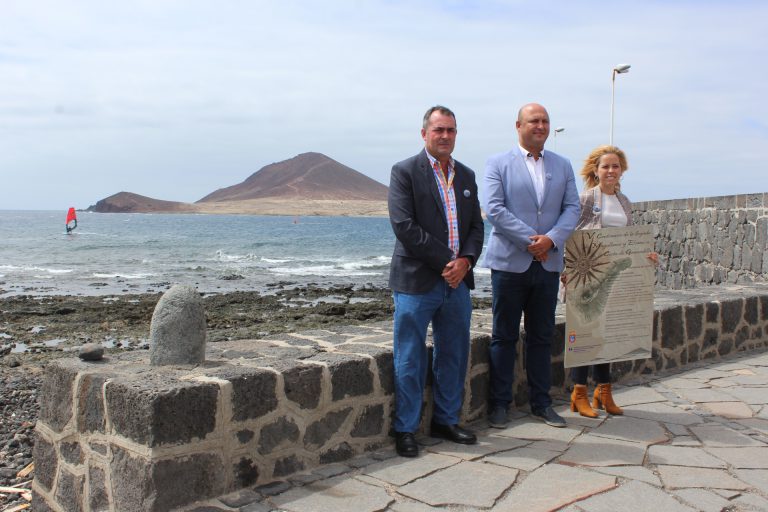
point(466, 193)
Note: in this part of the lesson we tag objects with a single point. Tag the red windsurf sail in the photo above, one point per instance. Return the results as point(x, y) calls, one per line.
point(71, 220)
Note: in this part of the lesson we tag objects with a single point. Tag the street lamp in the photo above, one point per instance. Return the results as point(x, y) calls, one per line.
point(620, 68)
point(558, 130)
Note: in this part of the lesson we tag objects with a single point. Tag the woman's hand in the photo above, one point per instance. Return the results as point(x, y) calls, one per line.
point(654, 257)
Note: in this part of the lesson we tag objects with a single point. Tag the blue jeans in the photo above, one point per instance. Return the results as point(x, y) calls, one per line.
point(535, 293)
point(450, 311)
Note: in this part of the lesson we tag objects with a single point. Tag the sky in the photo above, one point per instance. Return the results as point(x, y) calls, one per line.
point(174, 99)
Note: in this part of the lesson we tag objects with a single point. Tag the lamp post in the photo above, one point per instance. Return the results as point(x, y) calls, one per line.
point(559, 129)
point(620, 68)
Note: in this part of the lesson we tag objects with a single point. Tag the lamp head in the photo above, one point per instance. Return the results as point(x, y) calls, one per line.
point(559, 129)
point(622, 68)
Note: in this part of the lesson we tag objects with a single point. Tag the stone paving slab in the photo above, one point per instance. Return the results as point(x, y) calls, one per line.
point(639, 473)
point(552, 487)
point(336, 494)
point(528, 428)
point(706, 395)
point(526, 458)
point(702, 500)
point(663, 413)
point(757, 478)
point(486, 445)
point(589, 450)
point(627, 396)
point(683, 383)
point(742, 458)
point(679, 477)
point(719, 435)
point(749, 395)
point(706, 374)
point(400, 471)
point(555, 446)
point(410, 506)
point(632, 429)
point(576, 420)
point(634, 496)
point(683, 456)
point(685, 441)
point(750, 501)
point(472, 484)
point(731, 410)
point(758, 424)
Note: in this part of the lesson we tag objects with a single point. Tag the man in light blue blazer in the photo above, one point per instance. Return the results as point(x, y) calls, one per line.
point(532, 203)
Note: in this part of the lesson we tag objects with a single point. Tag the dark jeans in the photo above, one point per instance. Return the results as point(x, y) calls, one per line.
point(533, 292)
point(601, 373)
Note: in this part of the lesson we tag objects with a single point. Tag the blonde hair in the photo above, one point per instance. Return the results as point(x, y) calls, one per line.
point(589, 170)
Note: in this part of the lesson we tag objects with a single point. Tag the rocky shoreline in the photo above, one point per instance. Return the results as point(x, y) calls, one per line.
point(36, 329)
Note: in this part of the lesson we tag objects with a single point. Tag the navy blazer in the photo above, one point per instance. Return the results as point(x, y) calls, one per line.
point(418, 219)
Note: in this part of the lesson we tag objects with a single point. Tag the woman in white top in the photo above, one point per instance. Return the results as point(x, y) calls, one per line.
point(602, 206)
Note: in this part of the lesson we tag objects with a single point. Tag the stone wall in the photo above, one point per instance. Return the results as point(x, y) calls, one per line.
point(123, 436)
point(709, 240)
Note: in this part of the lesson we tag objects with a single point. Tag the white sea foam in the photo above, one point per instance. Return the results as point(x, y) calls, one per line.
point(274, 260)
point(15, 268)
point(321, 270)
point(122, 276)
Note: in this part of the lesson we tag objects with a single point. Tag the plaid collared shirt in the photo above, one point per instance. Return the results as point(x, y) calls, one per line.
point(445, 186)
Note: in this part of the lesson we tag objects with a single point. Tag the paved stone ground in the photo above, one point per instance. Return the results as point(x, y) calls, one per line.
point(695, 440)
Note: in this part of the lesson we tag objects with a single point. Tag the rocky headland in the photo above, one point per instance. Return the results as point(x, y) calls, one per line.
point(308, 184)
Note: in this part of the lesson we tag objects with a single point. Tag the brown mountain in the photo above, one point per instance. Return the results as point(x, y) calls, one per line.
point(308, 176)
point(308, 184)
point(128, 202)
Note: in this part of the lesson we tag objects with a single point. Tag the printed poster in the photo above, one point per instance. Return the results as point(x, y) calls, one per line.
point(609, 295)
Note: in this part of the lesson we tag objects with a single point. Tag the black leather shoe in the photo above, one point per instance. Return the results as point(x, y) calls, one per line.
point(406, 445)
point(453, 433)
point(549, 416)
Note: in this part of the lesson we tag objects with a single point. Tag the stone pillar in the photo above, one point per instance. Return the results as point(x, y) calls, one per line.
point(177, 332)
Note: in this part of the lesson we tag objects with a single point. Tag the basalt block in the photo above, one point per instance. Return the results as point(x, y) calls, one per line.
point(141, 485)
point(97, 489)
point(161, 410)
point(693, 321)
point(177, 331)
point(282, 431)
point(321, 431)
point(730, 315)
point(370, 422)
point(90, 398)
point(70, 490)
point(350, 374)
point(254, 391)
point(46, 462)
point(672, 335)
point(56, 392)
point(303, 385)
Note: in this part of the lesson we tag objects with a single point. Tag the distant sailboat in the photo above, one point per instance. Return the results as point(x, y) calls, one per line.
point(71, 220)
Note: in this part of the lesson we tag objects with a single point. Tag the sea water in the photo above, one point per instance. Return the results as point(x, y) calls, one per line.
point(136, 253)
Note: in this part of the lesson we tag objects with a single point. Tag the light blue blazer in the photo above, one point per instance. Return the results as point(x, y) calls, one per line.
point(513, 210)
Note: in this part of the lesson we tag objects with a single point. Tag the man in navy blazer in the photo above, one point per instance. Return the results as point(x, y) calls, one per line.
point(532, 203)
point(435, 214)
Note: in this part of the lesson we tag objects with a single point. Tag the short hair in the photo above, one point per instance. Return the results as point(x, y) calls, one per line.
point(437, 108)
point(589, 170)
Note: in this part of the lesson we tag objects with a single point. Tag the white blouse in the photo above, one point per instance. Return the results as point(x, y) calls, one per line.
point(612, 214)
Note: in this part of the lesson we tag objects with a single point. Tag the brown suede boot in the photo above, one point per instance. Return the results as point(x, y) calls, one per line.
point(603, 399)
point(580, 401)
